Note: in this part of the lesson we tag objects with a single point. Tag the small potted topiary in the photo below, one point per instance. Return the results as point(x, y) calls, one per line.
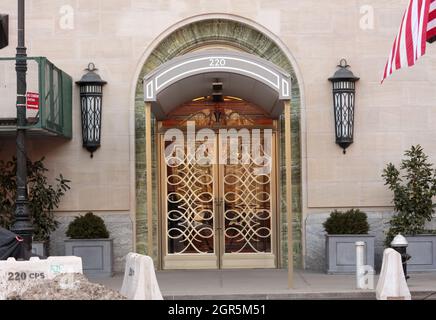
point(89, 239)
point(344, 229)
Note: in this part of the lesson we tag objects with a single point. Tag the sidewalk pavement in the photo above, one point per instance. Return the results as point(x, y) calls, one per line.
point(269, 284)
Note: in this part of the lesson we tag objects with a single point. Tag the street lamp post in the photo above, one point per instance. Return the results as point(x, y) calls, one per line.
point(22, 225)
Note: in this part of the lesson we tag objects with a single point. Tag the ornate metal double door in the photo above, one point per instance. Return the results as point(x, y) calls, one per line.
point(219, 203)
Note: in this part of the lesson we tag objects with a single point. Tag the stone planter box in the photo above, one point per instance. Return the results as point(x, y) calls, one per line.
point(96, 254)
point(422, 248)
point(341, 252)
point(39, 248)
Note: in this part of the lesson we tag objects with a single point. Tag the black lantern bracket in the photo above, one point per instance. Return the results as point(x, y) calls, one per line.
point(91, 105)
point(344, 95)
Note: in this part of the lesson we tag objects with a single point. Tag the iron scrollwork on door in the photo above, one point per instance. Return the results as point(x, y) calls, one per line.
point(190, 202)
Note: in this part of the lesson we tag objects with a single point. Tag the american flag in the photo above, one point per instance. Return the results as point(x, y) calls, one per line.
point(431, 28)
point(418, 27)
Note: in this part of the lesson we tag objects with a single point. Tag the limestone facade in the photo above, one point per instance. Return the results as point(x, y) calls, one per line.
point(128, 38)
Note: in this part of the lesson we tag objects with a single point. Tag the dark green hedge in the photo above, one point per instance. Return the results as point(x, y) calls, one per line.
point(88, 226)
point(352, 221)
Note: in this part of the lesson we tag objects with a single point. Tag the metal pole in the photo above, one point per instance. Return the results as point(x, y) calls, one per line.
point(22, 225)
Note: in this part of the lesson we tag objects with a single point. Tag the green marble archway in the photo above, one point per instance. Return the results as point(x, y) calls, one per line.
point(193, 36)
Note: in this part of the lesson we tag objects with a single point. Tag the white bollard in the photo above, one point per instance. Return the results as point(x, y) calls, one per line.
point(364, 273)
point(360, 272)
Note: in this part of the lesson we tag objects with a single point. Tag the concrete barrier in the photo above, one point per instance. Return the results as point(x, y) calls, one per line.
point(18, 276)
point(392, 283)
point(140, 282)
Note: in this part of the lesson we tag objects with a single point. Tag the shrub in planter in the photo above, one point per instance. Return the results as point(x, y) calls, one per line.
point(88, 226)
point(44, 198)
point(413, 190)
point(352, 221)
point(89, 239)
point(344, 229)
point(413, 186)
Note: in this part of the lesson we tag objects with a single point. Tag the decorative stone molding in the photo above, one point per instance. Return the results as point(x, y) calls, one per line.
point(192, 36)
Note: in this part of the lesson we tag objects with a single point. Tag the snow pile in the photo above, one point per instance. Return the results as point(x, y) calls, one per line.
point(67, 287)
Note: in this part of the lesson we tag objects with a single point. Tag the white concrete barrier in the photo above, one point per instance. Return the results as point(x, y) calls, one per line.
point(140, 282)
point(392, 283)
point(18, 276)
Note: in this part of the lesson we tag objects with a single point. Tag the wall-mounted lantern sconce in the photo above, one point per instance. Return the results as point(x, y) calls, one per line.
point(344, 92)
point(91, 99)
point(4, 30)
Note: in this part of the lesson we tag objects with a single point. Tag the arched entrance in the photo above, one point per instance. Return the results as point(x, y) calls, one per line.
point(236, 36)
point(217, 115)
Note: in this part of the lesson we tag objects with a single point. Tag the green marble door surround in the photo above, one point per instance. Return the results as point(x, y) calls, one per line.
point(241, 36)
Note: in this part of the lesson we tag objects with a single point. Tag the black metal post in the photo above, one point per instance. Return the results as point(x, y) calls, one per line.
point(404, 258)
point(22, 225)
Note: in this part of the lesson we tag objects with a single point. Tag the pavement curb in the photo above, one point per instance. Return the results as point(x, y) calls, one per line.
point(367, 295)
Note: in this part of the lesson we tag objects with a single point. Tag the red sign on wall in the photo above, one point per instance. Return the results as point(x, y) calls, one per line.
point(32, 100)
